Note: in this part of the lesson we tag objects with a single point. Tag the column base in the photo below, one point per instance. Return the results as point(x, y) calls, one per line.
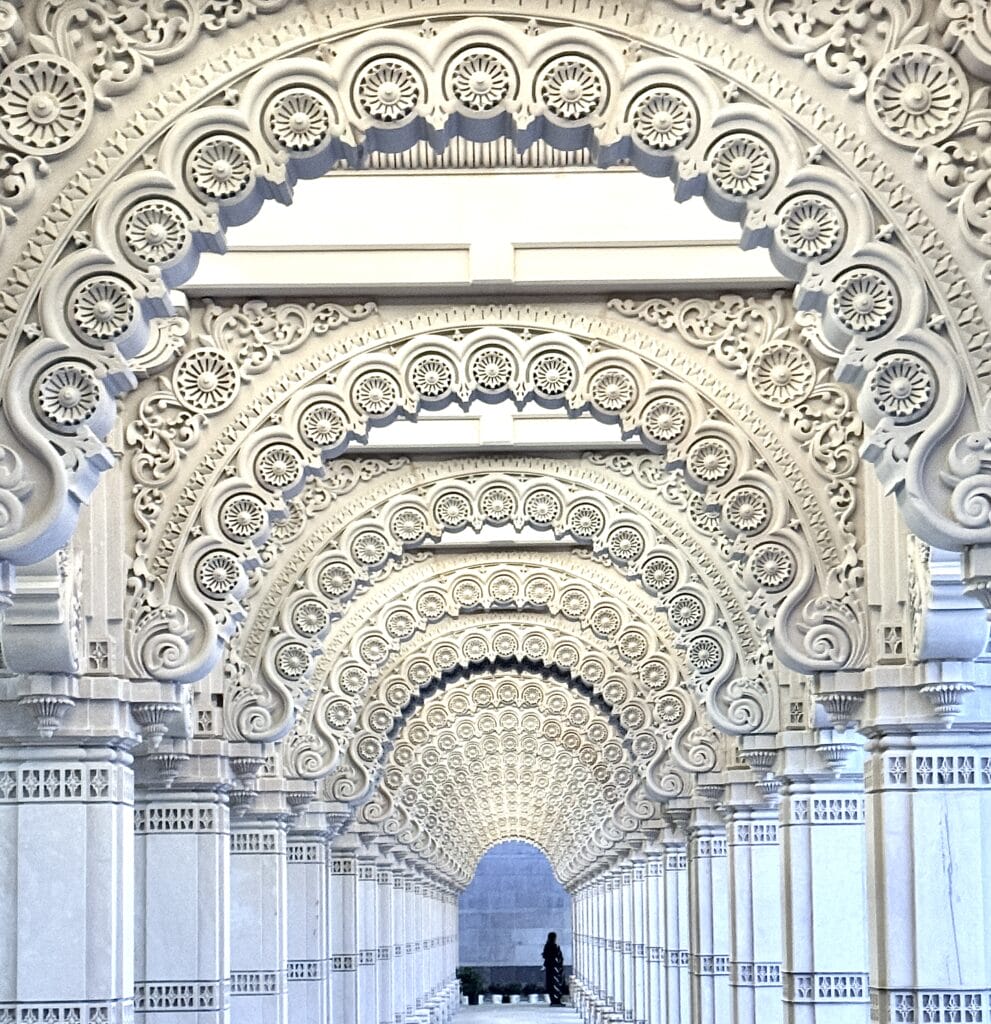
point(928, 1006)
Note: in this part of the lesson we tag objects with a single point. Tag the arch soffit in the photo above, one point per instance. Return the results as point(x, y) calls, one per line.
point(416, 781)
point(667, 728)
point(870, 291)
point(716, 630)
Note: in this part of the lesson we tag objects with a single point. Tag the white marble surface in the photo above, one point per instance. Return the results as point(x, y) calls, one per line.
point(519, 1013)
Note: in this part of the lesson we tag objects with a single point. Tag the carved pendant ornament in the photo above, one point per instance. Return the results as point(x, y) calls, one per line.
point(566, 87)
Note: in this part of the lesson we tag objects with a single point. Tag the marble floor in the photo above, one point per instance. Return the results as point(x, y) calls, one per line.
point(520, 1013)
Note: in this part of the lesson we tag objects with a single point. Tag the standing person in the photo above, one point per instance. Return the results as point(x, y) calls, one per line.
point(553, 969)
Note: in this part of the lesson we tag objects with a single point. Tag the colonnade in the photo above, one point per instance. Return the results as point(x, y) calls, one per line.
point(837, 901)
point(264, 919)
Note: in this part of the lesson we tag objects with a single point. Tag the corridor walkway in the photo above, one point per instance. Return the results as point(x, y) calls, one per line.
point(518, 1013)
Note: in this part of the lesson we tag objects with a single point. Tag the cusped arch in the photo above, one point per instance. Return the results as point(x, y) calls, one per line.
point(667, 727)
point(477, 741)
point(296, 117)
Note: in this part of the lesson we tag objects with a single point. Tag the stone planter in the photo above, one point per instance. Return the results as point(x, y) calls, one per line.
point(514, 999)
point(497, 999)
point(534, 997)
point(464, 1000)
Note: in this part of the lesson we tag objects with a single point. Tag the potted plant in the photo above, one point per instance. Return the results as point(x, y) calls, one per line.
point(471, 984)
point(530, 993)
point(514, 991)
point(496, 997)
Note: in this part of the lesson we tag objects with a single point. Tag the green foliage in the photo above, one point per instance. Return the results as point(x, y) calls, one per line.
point(471, 981)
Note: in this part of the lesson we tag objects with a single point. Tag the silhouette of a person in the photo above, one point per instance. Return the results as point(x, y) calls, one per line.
point(553, 969)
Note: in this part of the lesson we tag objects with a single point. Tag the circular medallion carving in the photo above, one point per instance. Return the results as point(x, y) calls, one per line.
point(772, 566)
point(217, 574)
point(685, 612)
point(480, 78)
point(665, 420)
point(431, 604)
point(654, 674)
point(154, 231)
point(503, 587)
point(917, 94)
point(864, 301)
point(742, 165)
point(747, 509)
point(310, 617)
point(670, 709)
point(388, 89)
point(491, 368)
point(336, 579)
point(711, 460)
point(660, 573)
point(206, 380)
point(369, 547)
point(452, 509)
point(903, 386)
point(299, 119)
point(375, 393)
point(782, 374)
point(431, 375)
point(625, 543)
point(66, 395)
point(613, 389)
point(292, 661)
point(497, 504)
point(278, 467)
point(408, 524)
point(572, 88)
point(705, 654)
point(575, 603)
point(467, 593)
point(552, 374)
point(101, 308)
point(322, 425)
point(242, 517)
point(663, 118)
point(811, 227)
point(220, 167)
point(586, 519)
point(542, 507)
point(45, 104)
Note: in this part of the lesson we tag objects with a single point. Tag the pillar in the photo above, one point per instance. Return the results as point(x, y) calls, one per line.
point(676, 927)
point(928, 802)
point(384, 952)
point(308, 942)
point(182, 911)
point(654, 935)
point(366, 898)
point(823, 895)
point(66, 875)
point(754, 863)
point(709, 918)
point(343, 927)
point(259, 937)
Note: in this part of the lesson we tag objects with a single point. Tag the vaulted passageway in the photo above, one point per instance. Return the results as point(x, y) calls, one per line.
point(395, 538)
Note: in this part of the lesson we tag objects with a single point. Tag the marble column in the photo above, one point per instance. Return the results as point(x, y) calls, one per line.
point(366, 898)
point(344, 927)
point(259, 936)
point(639, 885)
point(626, 938)
point(182, 911)
point(309, 965)
point(654, 935)
point(928, 801)
point(385, 938)
point(823, 894)
point(755, 918)
point(400, 961)
point(677, 929)
point(709, 919)
point(66, 872)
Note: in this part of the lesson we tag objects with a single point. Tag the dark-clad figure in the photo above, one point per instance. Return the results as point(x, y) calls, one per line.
point(554, 969)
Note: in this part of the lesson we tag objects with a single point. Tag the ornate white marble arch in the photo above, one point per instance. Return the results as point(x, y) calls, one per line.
point(567, 87)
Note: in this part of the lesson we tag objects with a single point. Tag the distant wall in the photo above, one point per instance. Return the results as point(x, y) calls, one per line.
point(506, 912)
